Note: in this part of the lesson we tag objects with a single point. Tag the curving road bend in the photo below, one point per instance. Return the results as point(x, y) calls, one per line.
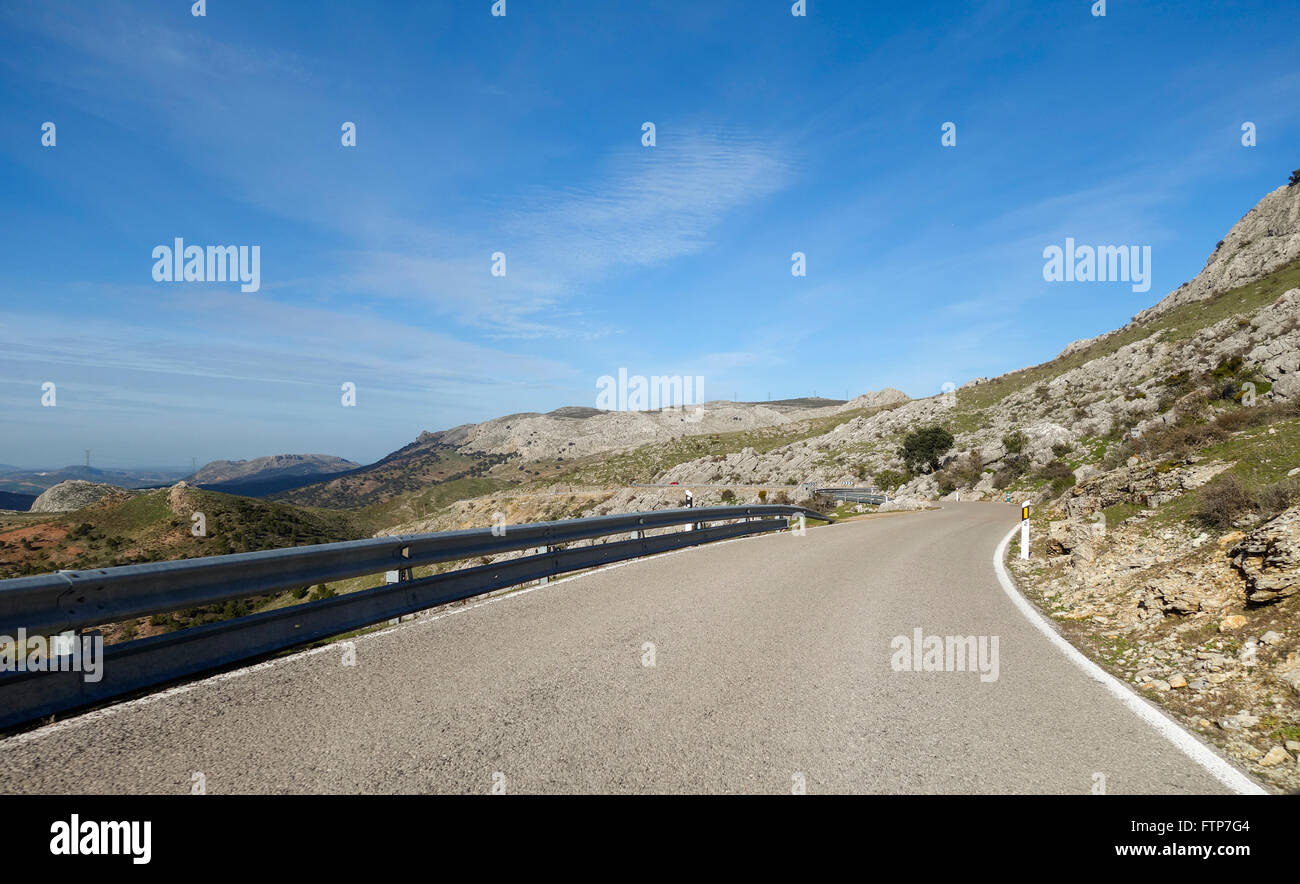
point(771, 671)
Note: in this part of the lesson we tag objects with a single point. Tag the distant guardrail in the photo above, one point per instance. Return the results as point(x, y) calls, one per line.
point(53, 604)
point(855, 495)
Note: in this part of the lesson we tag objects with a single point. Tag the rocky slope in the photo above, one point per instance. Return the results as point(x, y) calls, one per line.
point(520, 448)
point(1266, 239)
point(270, 467)
point(73, 495)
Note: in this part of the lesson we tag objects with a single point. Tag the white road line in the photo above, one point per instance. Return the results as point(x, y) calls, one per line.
point(1216, 765)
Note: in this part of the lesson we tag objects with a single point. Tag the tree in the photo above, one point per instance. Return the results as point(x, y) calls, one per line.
point(1295, 178)
point(888, 480)
point(923, 448)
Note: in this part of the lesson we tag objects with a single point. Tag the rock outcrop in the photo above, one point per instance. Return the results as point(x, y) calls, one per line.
point(1268, 237)
point(73, 495)
point(1268, 558)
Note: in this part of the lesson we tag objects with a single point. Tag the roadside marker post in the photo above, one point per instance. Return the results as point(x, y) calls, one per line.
point(1024, 530)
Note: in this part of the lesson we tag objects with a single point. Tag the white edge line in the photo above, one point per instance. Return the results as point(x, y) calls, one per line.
point(85, 718)
point(1193, 748)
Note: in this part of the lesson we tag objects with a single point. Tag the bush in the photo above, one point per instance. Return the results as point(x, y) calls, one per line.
point(1278, 497)
point(1057, 472)
point(947, 481)
point(321, 592)
point(728, 496)
point(822, 503)
point(1012, 469)
point(923, 448)
point(1056, 469)
point(888, 480)
point(1223, 501)
point(970, 468)
point(1061, 449)
point(762, 495)
point(1295, 178)
point(1015, 442)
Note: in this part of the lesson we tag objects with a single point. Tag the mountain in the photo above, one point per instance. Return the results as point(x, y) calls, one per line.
point(115, 526)
point(33, 482)
point(532, 447)
point(263, 476)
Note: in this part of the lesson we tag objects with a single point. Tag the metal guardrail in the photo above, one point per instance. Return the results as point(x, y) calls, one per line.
point(855, 495)
point(49, 604)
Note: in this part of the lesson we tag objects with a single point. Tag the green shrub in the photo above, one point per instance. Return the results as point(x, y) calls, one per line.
point(1059, 474)
point(321, 592)
point(1012, 469)
point(923, 448)
point(1015, 442)
point(888, 480)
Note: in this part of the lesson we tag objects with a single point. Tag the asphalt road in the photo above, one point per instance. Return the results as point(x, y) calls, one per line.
point(772, 667)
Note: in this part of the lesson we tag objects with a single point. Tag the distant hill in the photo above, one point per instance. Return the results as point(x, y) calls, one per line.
point(20, 502)
point(146, 526)
point(263, 476)
point(530, 446)
point(33, 482)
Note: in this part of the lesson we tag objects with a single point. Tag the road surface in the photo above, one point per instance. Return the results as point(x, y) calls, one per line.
point(771, 671)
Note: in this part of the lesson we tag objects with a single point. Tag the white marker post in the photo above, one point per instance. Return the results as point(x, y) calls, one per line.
point(690, 503)
point(393, 577)
point(1024, 530)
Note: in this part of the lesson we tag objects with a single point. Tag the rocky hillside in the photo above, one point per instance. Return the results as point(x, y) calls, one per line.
point(523, 448)
point(263, 476)
point(1267, 238)
point(75, 494)
point(274, 466)
point(1031, 430)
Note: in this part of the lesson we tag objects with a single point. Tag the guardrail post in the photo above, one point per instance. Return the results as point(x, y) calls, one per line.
point(543, 550)
point(401, 575)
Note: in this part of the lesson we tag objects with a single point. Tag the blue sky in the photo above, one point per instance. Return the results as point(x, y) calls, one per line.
point(522, 134)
